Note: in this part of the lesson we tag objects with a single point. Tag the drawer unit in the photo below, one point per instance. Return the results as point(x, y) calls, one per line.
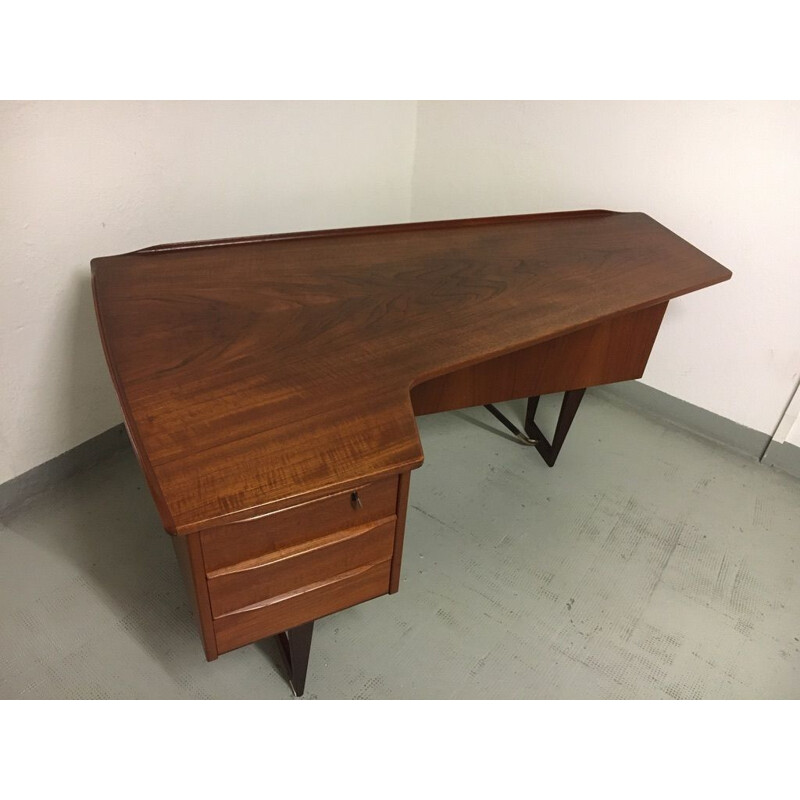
point(293, 568)
point(267, 575)
point(231, 544)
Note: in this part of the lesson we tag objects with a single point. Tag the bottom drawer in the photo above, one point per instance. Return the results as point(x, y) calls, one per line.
point(278, 574)
point(294, 608)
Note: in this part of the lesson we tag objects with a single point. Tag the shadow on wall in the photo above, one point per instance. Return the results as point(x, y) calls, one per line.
point(92, 407)
point(72, 417)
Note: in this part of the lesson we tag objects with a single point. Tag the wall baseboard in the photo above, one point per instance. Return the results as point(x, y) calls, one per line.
point(643, 398)
point(783, 456)
point(15, 492)
point(666, 408)
point(693, 419)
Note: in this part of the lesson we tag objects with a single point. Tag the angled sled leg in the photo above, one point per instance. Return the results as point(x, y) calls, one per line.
point(549, 450)
point(296, 646)
point(502, 418)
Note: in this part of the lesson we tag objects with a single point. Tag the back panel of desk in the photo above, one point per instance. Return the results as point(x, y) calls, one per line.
point(611, 351)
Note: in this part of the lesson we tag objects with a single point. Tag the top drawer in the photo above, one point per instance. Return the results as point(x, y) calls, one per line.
point(239, 541)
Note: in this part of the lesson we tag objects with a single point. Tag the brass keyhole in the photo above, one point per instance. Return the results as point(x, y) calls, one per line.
point(355, 500)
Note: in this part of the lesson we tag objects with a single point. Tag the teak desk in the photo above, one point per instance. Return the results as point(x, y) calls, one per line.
point(269, 384)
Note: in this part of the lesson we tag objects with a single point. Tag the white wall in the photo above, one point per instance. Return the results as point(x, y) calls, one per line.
point(81, 180)
point(723, 175)
point(793, 435)
point(789, 428)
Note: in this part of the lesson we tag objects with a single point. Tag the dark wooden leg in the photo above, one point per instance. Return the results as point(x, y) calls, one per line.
point(296, 646)
point(569, 406)
point(507, 423)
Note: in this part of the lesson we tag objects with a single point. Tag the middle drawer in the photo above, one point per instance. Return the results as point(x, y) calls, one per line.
point(249, 582)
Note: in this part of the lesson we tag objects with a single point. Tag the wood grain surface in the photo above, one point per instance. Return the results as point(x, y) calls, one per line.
point(294, 608)
point(239, 541)
point(258, 373)
point(613, 350)
point(301, 566)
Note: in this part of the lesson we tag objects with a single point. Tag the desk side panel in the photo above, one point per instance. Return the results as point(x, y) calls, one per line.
point(403, 487)
point(611, 351)
point(188, 549)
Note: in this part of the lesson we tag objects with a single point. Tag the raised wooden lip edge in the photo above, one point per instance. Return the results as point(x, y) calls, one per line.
point(464, 222)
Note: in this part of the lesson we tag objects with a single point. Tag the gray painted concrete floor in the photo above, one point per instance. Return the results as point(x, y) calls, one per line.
point(647, 564)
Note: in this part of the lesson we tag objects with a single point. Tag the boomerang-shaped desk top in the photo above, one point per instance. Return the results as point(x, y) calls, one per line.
point(270, 384)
